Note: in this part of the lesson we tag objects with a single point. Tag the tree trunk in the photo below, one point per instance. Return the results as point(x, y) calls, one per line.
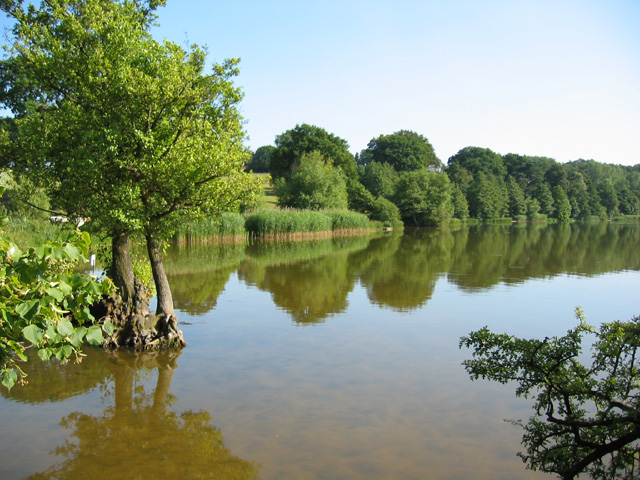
point(122, 270)
point(129, 312)
point(163, 290)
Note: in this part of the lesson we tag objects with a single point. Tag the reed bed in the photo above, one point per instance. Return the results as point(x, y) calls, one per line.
point(348, 221)
point(291, 223)
point(227, 225)
point(275, 224)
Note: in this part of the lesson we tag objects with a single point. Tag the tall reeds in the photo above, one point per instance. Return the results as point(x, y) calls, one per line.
point(290, 223)
point(227, 226)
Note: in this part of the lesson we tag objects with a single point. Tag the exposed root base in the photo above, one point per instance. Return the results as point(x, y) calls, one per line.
point(139, 329)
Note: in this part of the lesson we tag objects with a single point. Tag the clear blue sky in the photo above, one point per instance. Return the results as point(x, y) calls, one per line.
point(536, 77)
point(539, 77)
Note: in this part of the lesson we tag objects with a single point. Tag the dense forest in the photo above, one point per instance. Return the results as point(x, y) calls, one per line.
point(399, 176)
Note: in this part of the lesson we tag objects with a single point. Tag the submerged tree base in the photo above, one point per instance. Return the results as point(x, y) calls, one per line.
point(136, 327)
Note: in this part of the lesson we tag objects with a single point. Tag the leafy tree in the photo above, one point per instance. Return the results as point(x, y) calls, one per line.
point(533, 208)
point(403, 150)
point(586, 414)
point(577, 193)
point(528, 171)
point(460, 176)
point(24, 199)
point(385, 211)
point(476, 159)
point(608, 197)
point(487, 197)
point(376, 208)
point(556, 175)
point(628, 202)
point(121, 128)
point(460, 204)
point(261, 159)
point(517, 203)
point(545, 199)
point(359, 198)
point(561, 205)
point(424, 197)
point(380, 179)
point(313, 185)
point(593, 196)
point(293, 144)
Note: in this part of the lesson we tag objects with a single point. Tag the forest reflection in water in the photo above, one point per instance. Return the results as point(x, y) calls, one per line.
point(311, 280)
point(375, 391)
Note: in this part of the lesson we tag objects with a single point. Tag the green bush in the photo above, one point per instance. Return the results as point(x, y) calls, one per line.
point(313, 185)
point(44, 303)
point(385, 211)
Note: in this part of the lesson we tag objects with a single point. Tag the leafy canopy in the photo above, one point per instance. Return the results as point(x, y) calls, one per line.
point(403, 150)
point(313, 185)
point(424, 197)
point(587, 414)
point(120, 127)
point(293, 144)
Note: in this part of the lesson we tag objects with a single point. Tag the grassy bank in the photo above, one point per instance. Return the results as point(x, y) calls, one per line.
point(26, 232)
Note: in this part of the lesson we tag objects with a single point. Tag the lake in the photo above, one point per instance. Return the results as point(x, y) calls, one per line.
point(332, 359)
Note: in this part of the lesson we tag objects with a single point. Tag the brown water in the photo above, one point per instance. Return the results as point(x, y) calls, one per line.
point(330, 359)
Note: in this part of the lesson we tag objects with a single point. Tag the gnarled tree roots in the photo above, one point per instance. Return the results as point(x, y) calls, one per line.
point(136, 327)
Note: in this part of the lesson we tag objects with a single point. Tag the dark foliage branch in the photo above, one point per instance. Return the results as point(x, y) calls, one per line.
point(587, 417)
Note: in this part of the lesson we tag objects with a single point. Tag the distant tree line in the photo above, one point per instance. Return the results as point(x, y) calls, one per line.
point(398, 177)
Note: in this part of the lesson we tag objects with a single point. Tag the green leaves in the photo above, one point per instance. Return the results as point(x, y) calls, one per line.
point(77, 337)
point(33, 333)
point(583, 412)
point(65, 328)
point(44, 303)
point(94, 336)
point(9, 378)
point(28, 309)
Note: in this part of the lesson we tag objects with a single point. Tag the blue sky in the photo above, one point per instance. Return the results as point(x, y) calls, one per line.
point(553, 78)
point(540, 77)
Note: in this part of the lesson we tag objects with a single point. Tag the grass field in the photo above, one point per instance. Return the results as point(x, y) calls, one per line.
point(270, 199)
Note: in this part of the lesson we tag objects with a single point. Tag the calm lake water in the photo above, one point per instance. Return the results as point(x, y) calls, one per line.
point(334, 359)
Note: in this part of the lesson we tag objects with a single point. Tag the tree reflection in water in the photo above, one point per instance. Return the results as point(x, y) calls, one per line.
point(137, 436)
point(312, 280)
